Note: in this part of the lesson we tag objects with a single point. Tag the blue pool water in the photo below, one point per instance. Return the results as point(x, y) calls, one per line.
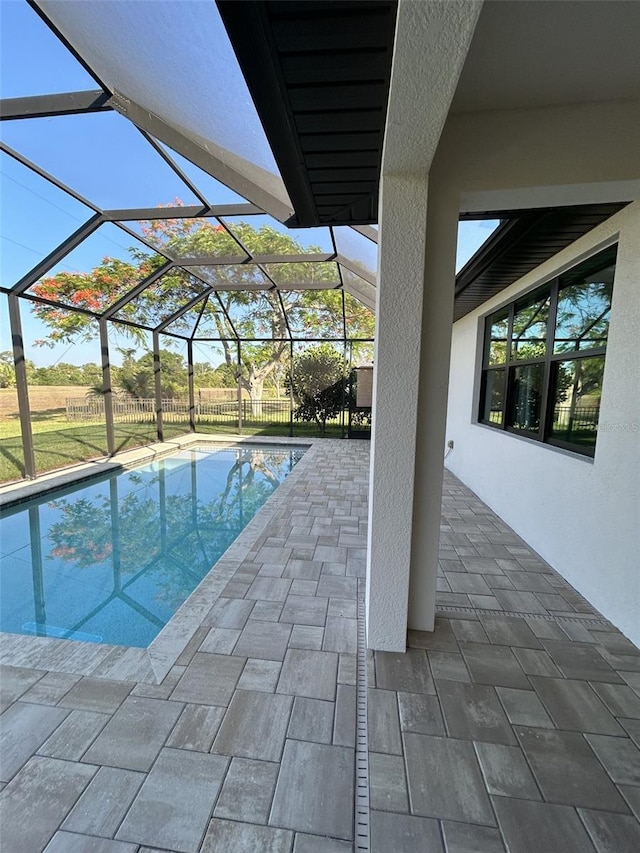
point(111, 560)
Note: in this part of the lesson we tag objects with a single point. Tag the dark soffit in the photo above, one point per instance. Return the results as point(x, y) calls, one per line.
point(522, 241)
point(319, 73)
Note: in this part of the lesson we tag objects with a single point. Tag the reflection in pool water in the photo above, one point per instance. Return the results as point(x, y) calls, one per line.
point(112, 560)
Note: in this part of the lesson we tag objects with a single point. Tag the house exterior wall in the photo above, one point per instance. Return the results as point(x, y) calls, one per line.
point(582, 515)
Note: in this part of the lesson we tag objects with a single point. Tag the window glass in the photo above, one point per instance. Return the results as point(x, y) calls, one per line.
point(314, 313)
point(263, 235)
point(162, 298)
point(527, 397)
point(33, 60)
point(102, 268)
point(188, 238)
point(232, 276)
point(101, 156)
point(356, 247)
point(549, 379)
point(35, 217)
point(492, 410)
point(498, 337)
point(583, 314)
point(529, 335)
point(576, 400)
point(255, 315)
point(360, 322)
point(309, 275)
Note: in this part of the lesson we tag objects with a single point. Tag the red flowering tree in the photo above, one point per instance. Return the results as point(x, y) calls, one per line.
point(253, 313)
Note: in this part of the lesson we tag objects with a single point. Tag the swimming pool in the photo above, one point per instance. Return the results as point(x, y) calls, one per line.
point(111, 560)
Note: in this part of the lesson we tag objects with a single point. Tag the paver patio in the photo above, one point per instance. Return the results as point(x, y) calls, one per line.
point(515, 726)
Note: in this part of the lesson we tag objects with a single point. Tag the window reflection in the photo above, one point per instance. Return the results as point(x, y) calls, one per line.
point(583, 313)
point(576, 402)
point(527, 394)
point(494, 396)
point(548, 381)
point(529, 335)
point(498, 339)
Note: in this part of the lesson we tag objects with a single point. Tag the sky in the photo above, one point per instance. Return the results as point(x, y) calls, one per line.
point(103, 158)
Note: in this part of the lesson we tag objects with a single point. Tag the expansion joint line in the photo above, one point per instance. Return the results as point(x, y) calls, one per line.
point(588, 619)
point(362, 835)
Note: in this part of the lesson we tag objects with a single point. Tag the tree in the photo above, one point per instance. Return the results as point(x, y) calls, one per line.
point(137, 377)
point(204, 375)
point(7, 370)
point(224, 376)
point(319, 380)
point(257, 317)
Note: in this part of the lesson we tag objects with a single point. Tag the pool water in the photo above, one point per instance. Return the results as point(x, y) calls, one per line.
point(112, 560)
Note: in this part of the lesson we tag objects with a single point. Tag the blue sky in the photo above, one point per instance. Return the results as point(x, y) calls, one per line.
point(104, 159)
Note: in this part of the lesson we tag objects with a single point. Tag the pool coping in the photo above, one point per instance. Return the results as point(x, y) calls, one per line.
point(147, 665)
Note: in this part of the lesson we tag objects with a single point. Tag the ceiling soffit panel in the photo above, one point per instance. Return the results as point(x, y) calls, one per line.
point(319, 75)
point(173, 73)
point(531, 55)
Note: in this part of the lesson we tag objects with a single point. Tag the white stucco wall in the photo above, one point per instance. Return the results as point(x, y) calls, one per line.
point(582, 515)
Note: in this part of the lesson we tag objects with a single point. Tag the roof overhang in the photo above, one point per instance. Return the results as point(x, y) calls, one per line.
point(319, 72)
point(523, 241)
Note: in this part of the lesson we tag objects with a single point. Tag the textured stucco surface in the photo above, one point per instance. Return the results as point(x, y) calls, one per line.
point(434, 39)
point(397, 370)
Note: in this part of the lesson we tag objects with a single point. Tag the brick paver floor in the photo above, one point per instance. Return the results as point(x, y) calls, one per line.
point(514, 727)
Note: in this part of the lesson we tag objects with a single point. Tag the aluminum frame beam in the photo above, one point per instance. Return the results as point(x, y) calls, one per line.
point(45, 106)
point(205, 159)
point(107, 391)
point(158, 386)
point(232, 260)
point(22, 386)
point(192, 211)
point(191, 387)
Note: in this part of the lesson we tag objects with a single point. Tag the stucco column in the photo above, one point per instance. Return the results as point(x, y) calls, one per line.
point(437, 320)
point(396, 376)
point(416, 276)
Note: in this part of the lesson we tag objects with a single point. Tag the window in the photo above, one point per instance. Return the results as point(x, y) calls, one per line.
point(543, 358)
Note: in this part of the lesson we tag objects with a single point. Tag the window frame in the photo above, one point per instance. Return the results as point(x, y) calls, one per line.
point(551, 287)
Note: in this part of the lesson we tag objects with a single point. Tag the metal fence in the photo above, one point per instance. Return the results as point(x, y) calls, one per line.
point(579, 418)
point(125, 410)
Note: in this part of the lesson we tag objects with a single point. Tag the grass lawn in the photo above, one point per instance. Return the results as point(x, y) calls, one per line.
point(59, 443)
